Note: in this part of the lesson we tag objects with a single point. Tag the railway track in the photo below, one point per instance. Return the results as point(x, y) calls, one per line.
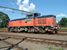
point(62, 33)
point(56, 42)
point(12, 45)
point(59, 33)
point(31, 40)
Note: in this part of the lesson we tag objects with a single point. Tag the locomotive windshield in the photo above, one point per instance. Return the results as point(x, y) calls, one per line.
point(36, 14)
point(33, 15)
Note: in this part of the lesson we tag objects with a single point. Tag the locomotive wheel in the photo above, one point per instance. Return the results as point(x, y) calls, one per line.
point(16, 29)
point(28, 30)
point(11, 29)
point(32, 30)
point(19, 30)
point(55, 32)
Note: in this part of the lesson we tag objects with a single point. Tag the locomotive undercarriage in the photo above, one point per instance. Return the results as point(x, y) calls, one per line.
point(41, 29)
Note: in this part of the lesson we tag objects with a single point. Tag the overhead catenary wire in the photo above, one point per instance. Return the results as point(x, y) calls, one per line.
point(14, 9)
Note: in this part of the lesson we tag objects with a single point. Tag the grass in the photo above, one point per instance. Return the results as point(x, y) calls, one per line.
point(52, 48)
point(63, 29)
point(3, 29)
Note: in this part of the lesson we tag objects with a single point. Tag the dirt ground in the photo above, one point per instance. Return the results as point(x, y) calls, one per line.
point(31, 45)
point(48, 36)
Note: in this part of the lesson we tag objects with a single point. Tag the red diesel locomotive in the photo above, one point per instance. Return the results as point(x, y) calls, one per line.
point(34, 23)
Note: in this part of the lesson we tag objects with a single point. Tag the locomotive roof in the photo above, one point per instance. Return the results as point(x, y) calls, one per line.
point(49, 16)
point(44, 16)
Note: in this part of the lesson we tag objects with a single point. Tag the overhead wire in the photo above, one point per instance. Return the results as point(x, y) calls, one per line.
point(13, 9)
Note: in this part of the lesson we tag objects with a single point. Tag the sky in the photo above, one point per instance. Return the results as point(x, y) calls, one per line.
point(45, 7)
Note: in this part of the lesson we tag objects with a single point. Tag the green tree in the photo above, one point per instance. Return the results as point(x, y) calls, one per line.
point(63, 22)
point(3, 20)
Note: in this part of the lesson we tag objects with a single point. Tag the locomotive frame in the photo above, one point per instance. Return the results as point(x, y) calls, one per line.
point(35, 23)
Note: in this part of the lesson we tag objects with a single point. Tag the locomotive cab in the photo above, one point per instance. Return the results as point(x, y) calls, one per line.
point(33, 15)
